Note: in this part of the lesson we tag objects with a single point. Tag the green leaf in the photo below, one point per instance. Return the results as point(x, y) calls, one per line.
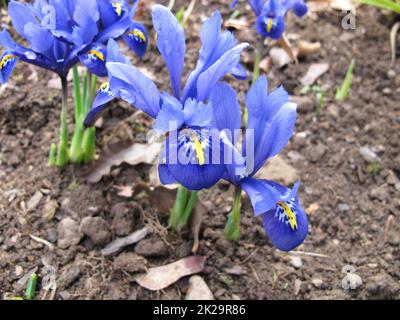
point(31, 287)
point(383, 4)
point(344, 91)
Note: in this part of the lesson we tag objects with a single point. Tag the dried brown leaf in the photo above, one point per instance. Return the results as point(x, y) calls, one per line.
point(315, 71)
point(306, 48)
point(162, 277)
point(119, 153)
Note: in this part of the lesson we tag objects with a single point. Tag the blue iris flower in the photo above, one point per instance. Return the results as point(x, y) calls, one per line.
point(61, 33)
point(271, 15)
point(272, 120)
point(187, 117)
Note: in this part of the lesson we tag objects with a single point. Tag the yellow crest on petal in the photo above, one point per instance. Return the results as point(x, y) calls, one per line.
point(289, 214)
point(5, 59)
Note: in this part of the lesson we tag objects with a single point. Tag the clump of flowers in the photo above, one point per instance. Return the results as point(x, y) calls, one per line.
point(60, 34)
point(200, 126)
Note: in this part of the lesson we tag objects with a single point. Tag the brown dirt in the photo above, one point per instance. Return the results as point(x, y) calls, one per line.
point(356, 222)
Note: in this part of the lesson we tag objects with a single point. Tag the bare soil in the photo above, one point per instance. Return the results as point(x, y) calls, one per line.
point(353, 205)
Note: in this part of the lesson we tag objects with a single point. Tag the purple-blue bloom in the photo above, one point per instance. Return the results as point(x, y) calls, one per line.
point(271, 15)
point(186, 117)
point(62, 33)
point(272, 120)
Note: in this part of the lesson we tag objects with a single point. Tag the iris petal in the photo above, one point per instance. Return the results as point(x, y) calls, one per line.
point(95, 59)
point(7, 64)
point(171, 43)
point(104, 96)
point(195, 159)
point(214, 45)
point(216, 72)
point(284, 219)
point(142, 89)
point(280, 230)
point(263, 196)
point(137, 39)
point(226, 109)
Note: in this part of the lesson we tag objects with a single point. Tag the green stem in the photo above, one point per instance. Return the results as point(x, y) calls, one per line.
point(257, 60)
point(232, 229)
point(77, 94)
point(89, 145)
point(179, 207)
point(53, 155)
point(187, 214)
point(62, 156)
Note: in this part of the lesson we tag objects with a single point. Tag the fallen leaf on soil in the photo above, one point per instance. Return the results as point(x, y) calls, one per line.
point(120, 243)
point(162, 197)
point(393, 38)
point(286, 45)
point(279, 57)
point(306, 48)
point(119, 153)
point(162, 277)
point(198, 290)
point(315, 71)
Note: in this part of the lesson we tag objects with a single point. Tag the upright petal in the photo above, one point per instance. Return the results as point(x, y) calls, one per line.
point(7, 64)
point(39, 38)
point(170, 117)
point(226, 110)
point(137, 39)
point(171, 43)
point(197, 114)
point(20, 15)
point(142, 90)
point(257, 6)
point(214, 45)
point(234, 4)
point(263, 106)
point(216, 72)
point(275, 136)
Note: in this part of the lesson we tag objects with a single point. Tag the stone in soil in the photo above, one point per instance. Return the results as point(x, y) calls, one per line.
point(130, 262)
point(68, 233)
point(96, 229)
point(68, 277)
point(123, 219)
point(152, 248)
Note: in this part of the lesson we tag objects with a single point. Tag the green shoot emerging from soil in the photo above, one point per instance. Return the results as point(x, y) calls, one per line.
point(343, 92)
